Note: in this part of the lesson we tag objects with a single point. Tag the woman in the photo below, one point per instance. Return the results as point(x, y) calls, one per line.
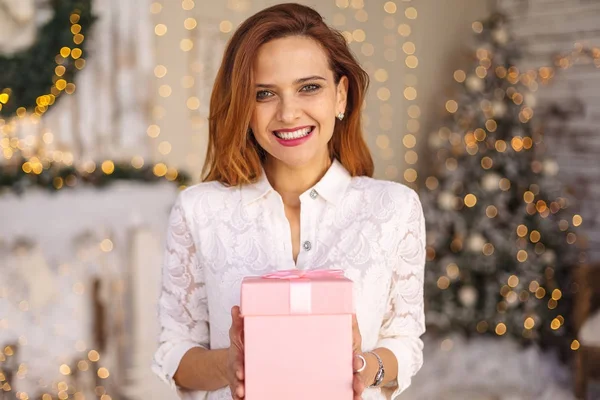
point(288, 185)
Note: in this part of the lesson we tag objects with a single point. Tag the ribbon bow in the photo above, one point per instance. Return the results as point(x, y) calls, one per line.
point(300, 274)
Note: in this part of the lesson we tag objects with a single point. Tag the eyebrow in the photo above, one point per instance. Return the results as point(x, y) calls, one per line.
point(296, 82)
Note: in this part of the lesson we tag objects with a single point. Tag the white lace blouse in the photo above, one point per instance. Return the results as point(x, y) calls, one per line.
point(372, 229)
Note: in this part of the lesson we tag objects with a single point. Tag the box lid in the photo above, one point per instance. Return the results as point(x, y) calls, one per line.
point(297, 292)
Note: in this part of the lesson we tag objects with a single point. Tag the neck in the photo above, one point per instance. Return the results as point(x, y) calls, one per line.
point(290, 182)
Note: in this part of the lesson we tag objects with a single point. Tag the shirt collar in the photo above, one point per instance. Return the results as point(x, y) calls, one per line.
point(334, 183)
point(331, 187)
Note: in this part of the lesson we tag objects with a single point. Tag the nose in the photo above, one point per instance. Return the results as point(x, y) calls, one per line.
point(288, 111)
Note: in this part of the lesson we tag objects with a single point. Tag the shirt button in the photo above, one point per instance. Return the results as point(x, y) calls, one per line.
point(313, 194)
point(307, 246)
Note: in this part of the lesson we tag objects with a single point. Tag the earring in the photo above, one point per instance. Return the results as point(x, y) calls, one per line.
point(340, 116)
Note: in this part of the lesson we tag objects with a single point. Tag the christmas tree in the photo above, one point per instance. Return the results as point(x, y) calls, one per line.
point(500, 237)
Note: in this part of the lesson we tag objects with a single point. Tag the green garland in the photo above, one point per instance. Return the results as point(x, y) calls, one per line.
point(29, 74)
point(57, 177)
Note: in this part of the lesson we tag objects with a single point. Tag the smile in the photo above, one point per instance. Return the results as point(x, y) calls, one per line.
point(293, 135)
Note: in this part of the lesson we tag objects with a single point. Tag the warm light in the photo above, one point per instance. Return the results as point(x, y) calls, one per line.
point(410, 93)
point(500, 329)
point(409, 141)
point(575, 345)
point(513, 281)
point(451, 106)
point(408, 48)
point(410, 175)
point(412, 62)
point(528, 197)
point(93, 356)
point(410, 13)
point(160, 71)
point(359, 35)
point(187, 5)
point(460, 75)
point(190, 23)
point(555, 324)
point(137, 162)
point(160, 29)
point(556, 294)
point(106, 246)
point(443, 282)
point(65, 370)
point(486, 163)
point(491, 211)
point(108, 167)
point(535, 236)
point(103, 373)
point(452, 271)
point(153, 131)
point(529, 323)
point(470, 200)
point(500, 146)
point(164, 90)
point(540, 292)
point(381, 75)
point(186, 44)
point(193, 103)
point(488, 249)
point(504, 184)
point(432, 183)
point(577, 220)
point(390, 7)
point(164, 147)
point(522, 255)
point(477, 27)
point(404, 30)
point(160, 169)
point(383, 94)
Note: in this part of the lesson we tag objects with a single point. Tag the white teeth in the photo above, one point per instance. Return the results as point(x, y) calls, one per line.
point(293, 135)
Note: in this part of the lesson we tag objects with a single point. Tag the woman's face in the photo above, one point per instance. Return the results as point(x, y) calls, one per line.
point(296, 101)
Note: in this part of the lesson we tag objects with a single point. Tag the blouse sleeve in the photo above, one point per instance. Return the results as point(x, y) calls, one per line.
point(182, 306)
point(404, 320)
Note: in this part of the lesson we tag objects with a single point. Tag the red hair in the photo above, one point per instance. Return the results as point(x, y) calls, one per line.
point(233, 156)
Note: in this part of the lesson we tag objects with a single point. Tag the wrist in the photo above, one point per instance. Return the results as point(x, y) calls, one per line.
point(371, 369)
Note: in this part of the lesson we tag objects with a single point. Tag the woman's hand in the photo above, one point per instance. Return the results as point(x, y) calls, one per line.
point(361, 378)
point(235, 359)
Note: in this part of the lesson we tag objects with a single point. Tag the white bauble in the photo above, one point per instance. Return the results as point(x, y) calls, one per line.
point(475, 83)
point(550, 167)
point(446, 201)
point(467, 296)
point(499, 109)
point(435, 141)
point(530, 100)
point(548, 257)
point(475, 242)
point(500, 35)
point(490, 181)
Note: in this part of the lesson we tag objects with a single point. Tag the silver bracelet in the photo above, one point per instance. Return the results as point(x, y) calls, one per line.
point(380, 372)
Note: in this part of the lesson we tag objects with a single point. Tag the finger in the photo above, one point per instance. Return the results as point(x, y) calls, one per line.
point(239, 391)
point(358, 385)
point(238, 367)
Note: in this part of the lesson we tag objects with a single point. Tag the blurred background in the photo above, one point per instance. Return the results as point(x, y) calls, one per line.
point(489, 109)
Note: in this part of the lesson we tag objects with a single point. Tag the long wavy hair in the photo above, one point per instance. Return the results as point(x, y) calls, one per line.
point(234, 156)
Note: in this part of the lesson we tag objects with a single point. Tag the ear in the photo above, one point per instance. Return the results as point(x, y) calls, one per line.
point(342, 95)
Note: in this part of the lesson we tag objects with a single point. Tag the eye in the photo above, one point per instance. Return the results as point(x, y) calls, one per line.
point(313, 87)
point(263, 94)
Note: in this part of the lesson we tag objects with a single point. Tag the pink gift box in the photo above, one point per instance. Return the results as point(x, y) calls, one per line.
point(298, 335)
